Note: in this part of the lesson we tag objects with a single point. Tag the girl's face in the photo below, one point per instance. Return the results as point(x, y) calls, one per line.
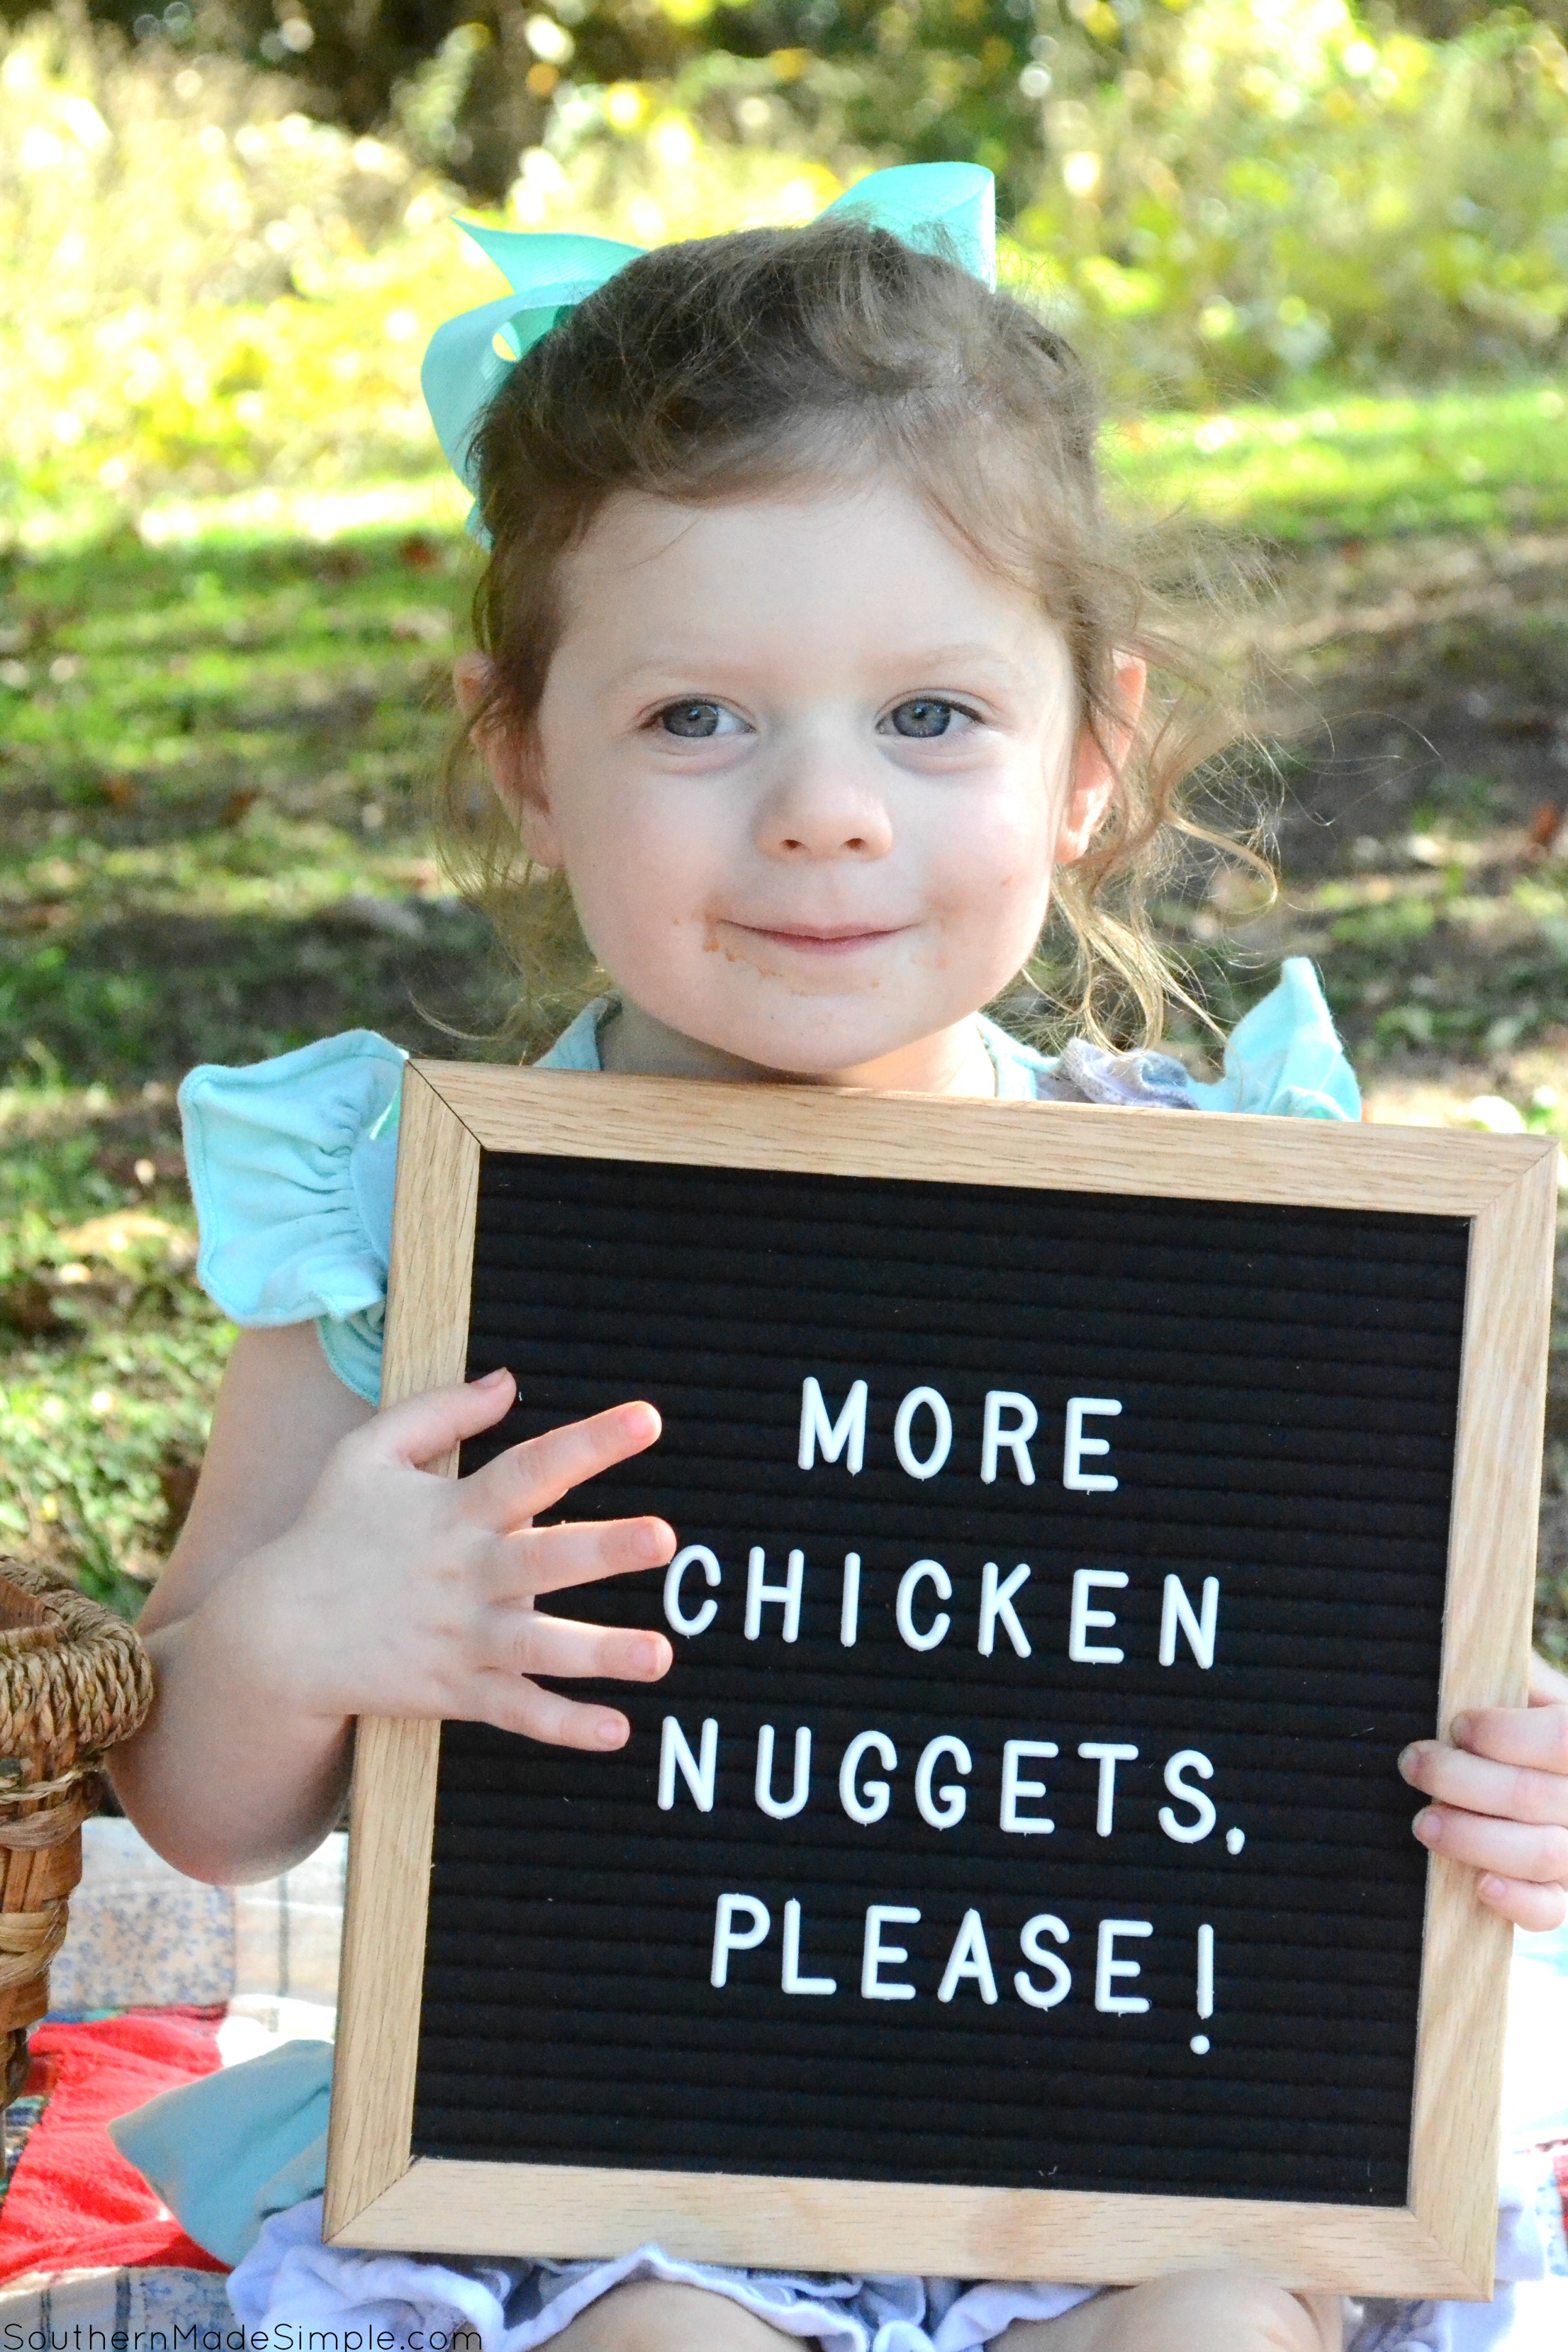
point(808, 768)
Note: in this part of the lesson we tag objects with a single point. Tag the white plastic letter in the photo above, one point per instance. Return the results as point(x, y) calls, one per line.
point(1076, 1445)
point(1108, 1754)
point(728, 1937)
point(795, 1801)
point(869, 1805)
point(675, 1616)
point(1044, 1923)
point(849, 1608)
point(1014, 1436)
point(923, 1571)
point(1176, 1610)
point(1016, 1752)
point(1108, 1968)
point(1188, 1759)
point(996, 1608)
point(791, 1980)
point(949, 1811)
point(1084, 1652)
point(697, 1771)
point(968, 1961)
point(927, 1465)
point(847, 1435)
point(875, 1953)
point(785, 1595)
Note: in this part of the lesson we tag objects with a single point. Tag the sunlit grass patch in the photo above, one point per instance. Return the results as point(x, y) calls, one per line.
point(1355, 465)
point(212, 832)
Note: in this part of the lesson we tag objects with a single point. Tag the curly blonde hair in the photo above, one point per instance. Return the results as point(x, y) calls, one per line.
point(731, 366)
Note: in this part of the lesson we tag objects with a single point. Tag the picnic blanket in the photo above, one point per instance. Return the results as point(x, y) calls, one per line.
point(74, 2203)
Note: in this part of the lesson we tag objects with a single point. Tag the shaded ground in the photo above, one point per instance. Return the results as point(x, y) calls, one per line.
point(212, 846)
point(1414, 749)
point(1418, 711)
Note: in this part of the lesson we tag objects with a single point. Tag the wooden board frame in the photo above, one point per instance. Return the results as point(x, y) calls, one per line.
point(1440, 2243)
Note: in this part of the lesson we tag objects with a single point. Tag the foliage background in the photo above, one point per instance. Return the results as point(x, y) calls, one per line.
point(1318, 253)
point(207, 283)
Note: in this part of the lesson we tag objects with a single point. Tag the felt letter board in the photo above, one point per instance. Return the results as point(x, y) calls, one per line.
point(1079, 1511)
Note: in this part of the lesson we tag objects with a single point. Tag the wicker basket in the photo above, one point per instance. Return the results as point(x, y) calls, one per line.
point(74, 1681)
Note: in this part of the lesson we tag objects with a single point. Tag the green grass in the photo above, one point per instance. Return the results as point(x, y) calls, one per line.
point(213, 846)
point(211, 813)
point(1356, 466)
point(108, 1353)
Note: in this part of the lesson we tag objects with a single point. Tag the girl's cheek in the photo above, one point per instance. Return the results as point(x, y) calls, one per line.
point(1002, 864)
point(644, 909)
point(1005, 920)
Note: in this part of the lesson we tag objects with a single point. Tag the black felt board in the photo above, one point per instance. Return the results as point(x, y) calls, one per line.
point(1289, 1382)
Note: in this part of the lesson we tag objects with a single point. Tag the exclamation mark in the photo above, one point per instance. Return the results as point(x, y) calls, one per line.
point(1200, 2041)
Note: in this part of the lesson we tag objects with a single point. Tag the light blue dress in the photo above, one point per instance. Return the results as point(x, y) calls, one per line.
point(291, 1165)
point(291, 1162)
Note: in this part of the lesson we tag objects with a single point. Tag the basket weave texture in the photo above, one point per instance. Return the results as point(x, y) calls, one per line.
point(74, 1681)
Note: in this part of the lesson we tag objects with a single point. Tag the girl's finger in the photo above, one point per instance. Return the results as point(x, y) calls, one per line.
point(512, 1704)
point(1534, 1735)
point(1507, 1791)
point(518, 1641)
point(526, 1479)
point(582, 1551)
point(1504, 1848)
point(424, 1428)
point(1538, 1908)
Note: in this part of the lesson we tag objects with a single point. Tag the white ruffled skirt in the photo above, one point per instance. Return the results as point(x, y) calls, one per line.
point(290, 2280)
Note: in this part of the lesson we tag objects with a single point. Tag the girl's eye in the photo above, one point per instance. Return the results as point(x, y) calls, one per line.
point(926, 716)
point(692, 721)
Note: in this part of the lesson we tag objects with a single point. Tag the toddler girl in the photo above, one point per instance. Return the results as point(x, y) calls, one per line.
point(811, 677)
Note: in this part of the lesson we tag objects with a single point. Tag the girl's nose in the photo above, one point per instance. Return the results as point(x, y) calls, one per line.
point(825, 816)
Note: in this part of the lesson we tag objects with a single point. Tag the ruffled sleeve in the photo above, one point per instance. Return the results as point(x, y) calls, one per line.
point(1285, 1057)
point(292, 1164)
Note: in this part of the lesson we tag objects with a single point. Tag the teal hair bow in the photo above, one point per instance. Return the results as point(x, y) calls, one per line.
point(935, 207)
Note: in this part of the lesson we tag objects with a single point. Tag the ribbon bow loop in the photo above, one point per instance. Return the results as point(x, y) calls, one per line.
point(942, 208)
point(468, 357)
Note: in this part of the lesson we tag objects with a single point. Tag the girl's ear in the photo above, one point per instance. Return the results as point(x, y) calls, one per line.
point(1094, 777)
point(514, 777)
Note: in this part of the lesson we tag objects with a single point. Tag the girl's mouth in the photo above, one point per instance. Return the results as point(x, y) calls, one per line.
point(823, 942)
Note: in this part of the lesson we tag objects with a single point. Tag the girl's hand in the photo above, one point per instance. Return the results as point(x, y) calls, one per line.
point(398, 1591)
point(1501, 1800)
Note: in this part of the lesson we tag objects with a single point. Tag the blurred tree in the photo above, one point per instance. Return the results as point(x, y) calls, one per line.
point(348, 59)
point(470, 83)
point(467, 85)
point(1440, 20)
point(918, 81)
